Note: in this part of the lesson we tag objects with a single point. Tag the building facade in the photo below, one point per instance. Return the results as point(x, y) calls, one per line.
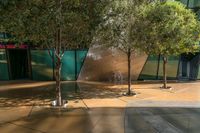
point(112, 64)
point(22, 62)
point(95, 64)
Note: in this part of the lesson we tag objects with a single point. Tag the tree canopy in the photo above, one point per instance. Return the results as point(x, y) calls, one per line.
point(116, 30)
point(167, 28)
point(119, 18)
point(37, 21)
point(58, 24)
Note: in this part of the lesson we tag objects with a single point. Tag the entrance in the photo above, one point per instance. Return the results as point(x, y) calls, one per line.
point(185, 69)
point(18, 64)
point(189, 65)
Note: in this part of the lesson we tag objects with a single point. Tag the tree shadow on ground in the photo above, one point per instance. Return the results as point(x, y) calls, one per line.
point(43, 94)
point(26, 96)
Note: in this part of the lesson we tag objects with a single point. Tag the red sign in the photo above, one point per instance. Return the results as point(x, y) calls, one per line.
point(12, 46)
point(2, 46)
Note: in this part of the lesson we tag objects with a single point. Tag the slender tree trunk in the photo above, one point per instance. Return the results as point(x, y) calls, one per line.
point(58, 84)
point(59, 57)
point(58, 68)
point(164, 72)
point(53, 60)
point(129, 72)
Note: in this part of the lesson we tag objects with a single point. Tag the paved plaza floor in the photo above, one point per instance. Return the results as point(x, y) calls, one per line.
point(99, 108)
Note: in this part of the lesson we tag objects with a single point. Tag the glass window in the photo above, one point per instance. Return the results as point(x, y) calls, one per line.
point(198, 62)
point(198, 14)
point(183, 1)
point(149, 70)
point(42, 65)
point(190, 3)
point(198, 73)
point(68, 66)
point(80, 57)
point(3, 65)
point(197, 3)
point(171, 67)
point(1, 35)
point(194, 66)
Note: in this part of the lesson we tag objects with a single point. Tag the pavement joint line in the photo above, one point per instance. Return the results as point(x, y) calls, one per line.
point(7, 122)
point(167, 90)
point(181, 90)
point(142, 99)
point(30, 112)
point(125, 112)
point(153, 127)
point(26, 127)
point(141, 118)
point(81, 98)
point(122, 100)
point(137, 99)
point(95, 125)
point(84, 103)
point(164, 120)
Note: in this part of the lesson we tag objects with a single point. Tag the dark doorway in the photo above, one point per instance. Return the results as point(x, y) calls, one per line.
point(18, 60)
point(189, 66)
point(185, 69)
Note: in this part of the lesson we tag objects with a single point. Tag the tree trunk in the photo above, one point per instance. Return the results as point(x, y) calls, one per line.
point(58, 63)
point(129, 72)
point(58, 84)
point(59, 57)
point(164, 73)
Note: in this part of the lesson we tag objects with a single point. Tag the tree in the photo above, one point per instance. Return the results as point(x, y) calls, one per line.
point(115, 31)
point(52, 24)
point(167, 28)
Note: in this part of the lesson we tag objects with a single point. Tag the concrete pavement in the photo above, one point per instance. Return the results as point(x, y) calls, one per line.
point(100, 108)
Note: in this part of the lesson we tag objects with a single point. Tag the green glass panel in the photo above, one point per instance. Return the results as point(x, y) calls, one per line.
point(171, 67)
point(80, 57)
point(1, 35)
point(194, 67)
point(3, 66)
point(198, 14)
point(198, 77)
point(42, 66)
point(194, 3)
point(191, 3)
point(68, 66)
point(149, 71)
point(197, 3)
point(183, 1)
